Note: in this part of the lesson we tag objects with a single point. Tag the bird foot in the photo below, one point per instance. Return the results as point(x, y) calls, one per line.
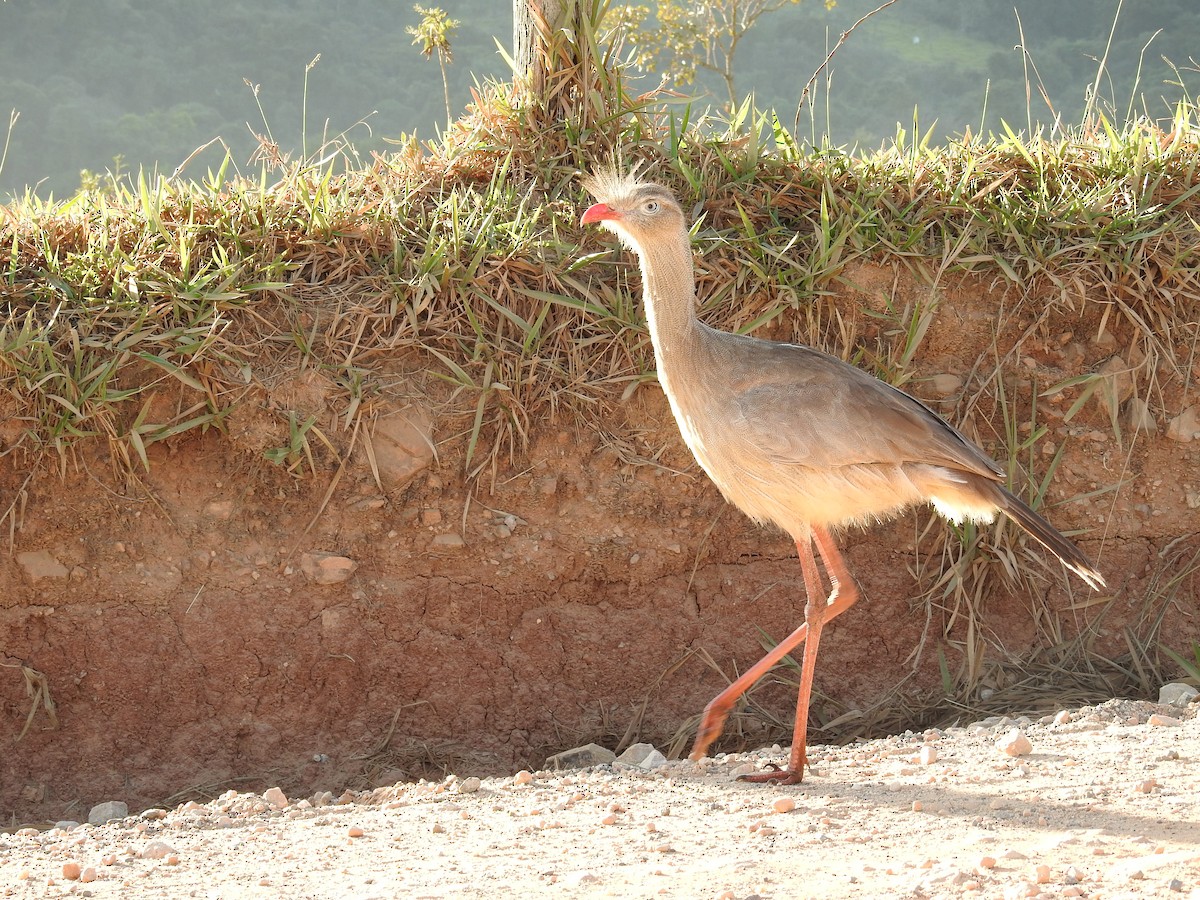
point(775, 775)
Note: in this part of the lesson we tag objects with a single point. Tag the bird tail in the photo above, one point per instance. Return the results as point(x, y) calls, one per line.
point(1046, 534)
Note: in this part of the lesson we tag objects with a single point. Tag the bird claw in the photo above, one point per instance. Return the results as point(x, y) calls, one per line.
point(775, 775)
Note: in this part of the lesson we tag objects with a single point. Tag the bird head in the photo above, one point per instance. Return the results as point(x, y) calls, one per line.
point(636, 211)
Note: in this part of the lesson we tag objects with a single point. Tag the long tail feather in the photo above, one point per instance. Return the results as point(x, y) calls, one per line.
point(1046, 534)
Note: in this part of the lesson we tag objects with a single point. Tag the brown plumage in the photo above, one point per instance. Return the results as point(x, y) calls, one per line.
point(796, 438)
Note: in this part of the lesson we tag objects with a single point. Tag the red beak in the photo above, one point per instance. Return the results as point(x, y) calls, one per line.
point(598, 212)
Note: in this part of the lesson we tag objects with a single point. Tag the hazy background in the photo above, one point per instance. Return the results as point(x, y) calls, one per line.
point(152, 80)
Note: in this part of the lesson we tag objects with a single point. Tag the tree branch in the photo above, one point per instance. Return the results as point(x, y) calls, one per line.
point(841, 40)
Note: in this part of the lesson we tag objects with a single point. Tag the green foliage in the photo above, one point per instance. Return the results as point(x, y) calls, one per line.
point(432, 34)
point(153, 82)
point(691, 35)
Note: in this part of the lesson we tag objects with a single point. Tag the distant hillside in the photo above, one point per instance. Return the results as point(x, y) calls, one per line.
point(152, 80)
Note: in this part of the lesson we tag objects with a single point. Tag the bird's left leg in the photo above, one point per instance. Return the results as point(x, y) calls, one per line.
point(839, 600)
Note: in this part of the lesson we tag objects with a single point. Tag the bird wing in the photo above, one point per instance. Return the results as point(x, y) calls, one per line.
point(801, 407)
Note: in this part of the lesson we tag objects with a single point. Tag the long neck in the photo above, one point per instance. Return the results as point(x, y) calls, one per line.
point(669, 292)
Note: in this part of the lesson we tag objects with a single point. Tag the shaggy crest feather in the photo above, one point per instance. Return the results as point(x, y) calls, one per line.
point(609, 185)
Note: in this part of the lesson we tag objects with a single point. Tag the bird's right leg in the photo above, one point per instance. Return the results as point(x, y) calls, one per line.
point(817, 612)
point(842, 597)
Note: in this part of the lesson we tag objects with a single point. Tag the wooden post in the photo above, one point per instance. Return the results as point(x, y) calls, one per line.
point(533, 20)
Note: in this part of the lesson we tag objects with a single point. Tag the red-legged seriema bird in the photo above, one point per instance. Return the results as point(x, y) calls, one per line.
point(796, 438)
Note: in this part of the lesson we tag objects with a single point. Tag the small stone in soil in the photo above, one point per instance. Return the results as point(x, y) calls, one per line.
point(156, 850)
point(276, 797)
point(1014, 743)
point(106, 811)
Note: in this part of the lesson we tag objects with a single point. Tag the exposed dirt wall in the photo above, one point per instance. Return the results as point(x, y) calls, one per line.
point(185, 631)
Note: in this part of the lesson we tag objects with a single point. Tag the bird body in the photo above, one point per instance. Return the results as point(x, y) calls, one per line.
point(792, 436)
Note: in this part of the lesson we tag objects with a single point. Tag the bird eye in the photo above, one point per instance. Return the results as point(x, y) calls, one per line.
point(651, 206)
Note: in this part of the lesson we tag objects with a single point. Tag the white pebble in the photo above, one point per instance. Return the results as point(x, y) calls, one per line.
point(1014, 743)
point(156, 850)
point(1161, 720)
point(276, 797)
point(784, 804)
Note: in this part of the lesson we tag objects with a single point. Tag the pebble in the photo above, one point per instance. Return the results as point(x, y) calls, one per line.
point(469, 785)
point(71, 871)
point(928, 755)
point(107, 811)
point(784, 804)
point(326, 568)
point(1163, 721)
point(276, 797)
point(581, 757)
point(1014, 743)
point(1042, 874)
point(156, 850)
point(88, 875)
point(523, 777)
point(1177, 693)
point(355, 831)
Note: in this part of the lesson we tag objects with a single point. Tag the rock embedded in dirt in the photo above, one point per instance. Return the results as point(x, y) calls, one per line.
point(581, 757)
point(644, 756)
point(402, 444)
point(107, 811)
point(326, 568)
point(1185, 427)
point(1177, 693)
point(40, 564)
point(222, 510)
point(1139, 417)
point(945, 384)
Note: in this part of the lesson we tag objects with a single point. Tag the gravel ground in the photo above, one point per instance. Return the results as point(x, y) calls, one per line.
point(1101, 802)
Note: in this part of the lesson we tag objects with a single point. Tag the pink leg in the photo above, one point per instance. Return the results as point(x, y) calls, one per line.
point(817, 612)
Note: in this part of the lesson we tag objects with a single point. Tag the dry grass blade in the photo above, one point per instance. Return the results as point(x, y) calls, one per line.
point(37, 689)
